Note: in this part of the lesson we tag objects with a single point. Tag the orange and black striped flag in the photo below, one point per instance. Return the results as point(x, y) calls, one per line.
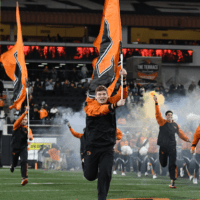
point(109, 45)
point(15, 67)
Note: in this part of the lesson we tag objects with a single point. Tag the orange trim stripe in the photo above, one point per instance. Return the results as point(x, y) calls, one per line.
point(176, 172)
point(152, 171)
point(26, 169)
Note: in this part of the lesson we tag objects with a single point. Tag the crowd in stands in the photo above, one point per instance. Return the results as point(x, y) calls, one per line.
point(136, 91)
point(51, 86)
point(72, 75)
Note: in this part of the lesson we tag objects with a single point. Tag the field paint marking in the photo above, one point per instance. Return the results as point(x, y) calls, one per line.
point(81, 184)
point(83, 190)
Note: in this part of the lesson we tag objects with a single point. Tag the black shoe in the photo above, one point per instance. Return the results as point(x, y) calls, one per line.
point(12, 168)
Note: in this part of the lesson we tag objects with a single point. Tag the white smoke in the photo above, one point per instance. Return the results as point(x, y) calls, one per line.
point(185, 113)
point(67, 141)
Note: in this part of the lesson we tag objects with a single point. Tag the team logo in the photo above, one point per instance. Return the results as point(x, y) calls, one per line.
point(104, 54)
point(18, 87)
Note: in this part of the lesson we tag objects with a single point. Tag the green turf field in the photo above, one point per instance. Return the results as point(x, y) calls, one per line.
point(65, 185)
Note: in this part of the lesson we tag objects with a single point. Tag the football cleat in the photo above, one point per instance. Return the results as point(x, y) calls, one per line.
point(154, 176)
point(12, 168)
point(172, 186)
point(146, 174)
point(114, 172)
point(123, 174)
point(139, 174)
point(191, 177)
point(195, 181)
point(24, 181)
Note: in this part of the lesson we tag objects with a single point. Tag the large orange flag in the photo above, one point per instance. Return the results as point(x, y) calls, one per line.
point(109, 42)
point(15, 67)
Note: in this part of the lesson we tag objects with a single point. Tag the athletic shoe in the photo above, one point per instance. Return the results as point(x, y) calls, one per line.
point(195, 181)
point(191, 177)
point(12, 168)
point(123, 174)
point(114, 172)
point(172, 186)
point(181, 172)
point(154, 176)
point(146, 174)
point(24, 181)
point(139, 174)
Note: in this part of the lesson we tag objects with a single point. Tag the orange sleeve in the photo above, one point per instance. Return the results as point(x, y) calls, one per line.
point(159, 117)
point(75, 134)
point(119, 134)
point(95, 109)
point(117, 97)
point(18, 121)
point(182, 134)
point(196, 136)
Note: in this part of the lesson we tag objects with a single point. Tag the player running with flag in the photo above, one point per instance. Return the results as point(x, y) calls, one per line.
point(14, 64)
point(100, 106)
point(19, 145)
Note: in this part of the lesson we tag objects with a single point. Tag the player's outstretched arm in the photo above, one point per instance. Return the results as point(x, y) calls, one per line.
point(119, 134)
point(195, 139)
point(159, 117)
point(18, 121)
point(182, 135)
point(74, 133)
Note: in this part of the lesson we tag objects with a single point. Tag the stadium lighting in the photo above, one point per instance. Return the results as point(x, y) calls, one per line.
point(62, 64)
point(40, 65)
point(44, 63)
point(27, 63)
point(56, 66)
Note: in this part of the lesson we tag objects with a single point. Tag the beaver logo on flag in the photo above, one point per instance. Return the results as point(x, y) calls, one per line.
point(106, 46)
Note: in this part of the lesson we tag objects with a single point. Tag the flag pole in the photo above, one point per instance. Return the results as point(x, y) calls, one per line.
point(28, 107)
point(121, 55)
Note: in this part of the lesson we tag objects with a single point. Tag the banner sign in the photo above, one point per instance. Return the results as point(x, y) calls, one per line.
point(148, 68)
